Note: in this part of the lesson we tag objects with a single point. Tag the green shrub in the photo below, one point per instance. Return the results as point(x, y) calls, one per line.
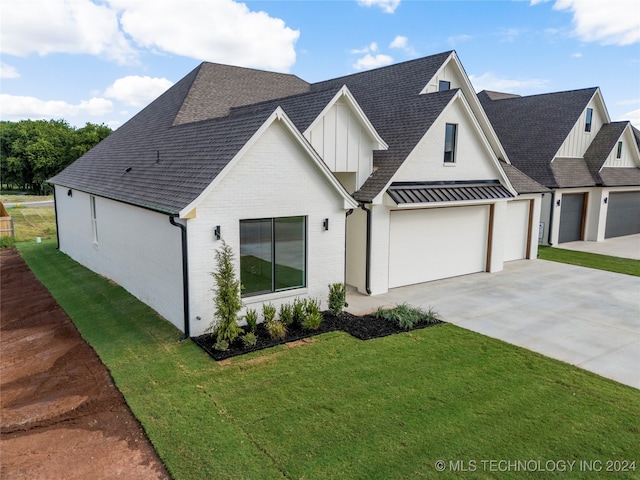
point(337, 298)
point(249, 339)
point(251, 316)
point(269, 312)
point(277, 330)
point(299, 311)
point(406, 316)
point(286, 314)
point(313, 316)
point(221, 345)
point(227, 296)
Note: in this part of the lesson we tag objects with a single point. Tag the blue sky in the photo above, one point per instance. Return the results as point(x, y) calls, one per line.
point(101, 61)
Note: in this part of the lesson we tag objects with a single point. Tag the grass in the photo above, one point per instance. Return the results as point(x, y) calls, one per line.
point(591, 260)
point(32, 222)
point(340, 407)
point(22, 197)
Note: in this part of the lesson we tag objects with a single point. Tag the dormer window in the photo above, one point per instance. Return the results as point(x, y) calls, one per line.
point(587, 123)
point(451, 131)
point(444, 85)
point(619, 152)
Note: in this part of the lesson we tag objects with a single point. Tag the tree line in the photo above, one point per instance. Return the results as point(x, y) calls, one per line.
point(32, 151)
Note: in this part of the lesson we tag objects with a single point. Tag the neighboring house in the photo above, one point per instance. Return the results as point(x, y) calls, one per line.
point(567, 142)
point(384, 178)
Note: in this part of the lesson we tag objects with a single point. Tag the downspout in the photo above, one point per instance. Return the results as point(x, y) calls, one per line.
point(185, 276)
point(349, 212)
point(367, 262)
point(55, 210)
point(553, 207)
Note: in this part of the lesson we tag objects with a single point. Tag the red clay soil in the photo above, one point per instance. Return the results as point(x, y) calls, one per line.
point(61, 415)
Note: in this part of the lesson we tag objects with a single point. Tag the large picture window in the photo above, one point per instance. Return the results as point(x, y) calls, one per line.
point(273, 254)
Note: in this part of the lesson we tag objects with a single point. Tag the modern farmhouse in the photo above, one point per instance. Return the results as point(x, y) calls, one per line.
point(379, 179)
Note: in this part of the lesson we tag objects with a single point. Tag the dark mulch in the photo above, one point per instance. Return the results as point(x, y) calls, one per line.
point(363, 327)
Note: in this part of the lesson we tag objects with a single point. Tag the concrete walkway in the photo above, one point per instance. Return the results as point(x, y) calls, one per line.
point(585, 317)
point(625, 247)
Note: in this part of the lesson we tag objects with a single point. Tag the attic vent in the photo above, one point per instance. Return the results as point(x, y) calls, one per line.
point(127, 170)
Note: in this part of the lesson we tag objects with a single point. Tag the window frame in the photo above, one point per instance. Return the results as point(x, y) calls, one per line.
point(442, 83)
point(619, 151)
point(273, 254)
point(454, 144)
point(94, 218)
point(588, 123)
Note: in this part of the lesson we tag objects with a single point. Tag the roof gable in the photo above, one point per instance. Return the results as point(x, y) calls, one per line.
point(532, 129)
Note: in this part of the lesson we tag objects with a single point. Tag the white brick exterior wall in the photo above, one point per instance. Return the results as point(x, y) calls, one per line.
point(137, 248)
point(275, 178)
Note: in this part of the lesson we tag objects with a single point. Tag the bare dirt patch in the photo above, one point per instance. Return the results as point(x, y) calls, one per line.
point(61, 415)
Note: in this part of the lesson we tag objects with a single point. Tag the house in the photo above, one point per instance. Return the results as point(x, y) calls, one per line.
point(384, 178)
point(567, 142)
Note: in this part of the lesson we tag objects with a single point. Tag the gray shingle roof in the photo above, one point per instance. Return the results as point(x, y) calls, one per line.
point(571, 172)
point(620, 176)
point(533, 128)
point(199, 125)
point(602, 145)
point(521, 182)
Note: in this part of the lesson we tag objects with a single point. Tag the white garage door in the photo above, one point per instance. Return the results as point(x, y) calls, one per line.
point(437, 243)
point(516, 231)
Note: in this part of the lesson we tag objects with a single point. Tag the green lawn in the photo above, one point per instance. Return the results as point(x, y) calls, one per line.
point(591, 260)
point(344, 408)
point(30, 223)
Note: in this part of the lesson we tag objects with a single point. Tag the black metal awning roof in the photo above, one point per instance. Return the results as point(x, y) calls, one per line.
point(440, 192)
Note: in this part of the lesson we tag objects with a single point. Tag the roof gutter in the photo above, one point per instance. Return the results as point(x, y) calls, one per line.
point(367, 263)
point(55, 209)
point(185, 276)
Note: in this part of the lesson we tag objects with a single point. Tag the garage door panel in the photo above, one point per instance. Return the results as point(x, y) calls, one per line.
point(437, 243)
point(571, 217)
point(516, 231)
point(623, 214)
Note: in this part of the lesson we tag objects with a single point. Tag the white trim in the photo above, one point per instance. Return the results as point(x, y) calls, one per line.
point(277, 115)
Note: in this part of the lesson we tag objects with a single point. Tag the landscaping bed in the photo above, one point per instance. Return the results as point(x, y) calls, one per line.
point(364, 327)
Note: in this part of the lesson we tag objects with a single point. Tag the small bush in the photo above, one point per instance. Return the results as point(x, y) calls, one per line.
point(337, 298)
point(299, 311)
point(277, 330)
point(406, 316)
point(221, 345)
point(269, 312)
point(286, 314)
point(251, 316)
point(227, 296)
point(249, 339)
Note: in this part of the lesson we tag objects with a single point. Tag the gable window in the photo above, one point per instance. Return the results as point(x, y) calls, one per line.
point(619, 152)
point(587, 123)
point(273, 254)
point(444, 85)
point(451, 131)
point(94, 219)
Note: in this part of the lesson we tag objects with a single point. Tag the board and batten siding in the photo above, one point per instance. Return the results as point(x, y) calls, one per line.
point(628, 152)
point(274, 178)
point(577, 142)
point(343, 143)
point(137, 248)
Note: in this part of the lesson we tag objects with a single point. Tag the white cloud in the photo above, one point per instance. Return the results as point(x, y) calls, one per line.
point(373, 47)
point(62, 26)
point(611, 22)
point(399, 42)
point(633, 117)
point(632, 101)
point(137, 91)
point(16, 107)
point(488, 81)
point(370, 61)
point(7, 71)
point(222, 31)
point(387, 6)
point(576, 55)
point(457, 39)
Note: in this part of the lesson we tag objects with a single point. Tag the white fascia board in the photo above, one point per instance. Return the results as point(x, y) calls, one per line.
point(355, 107)
point(476, 106)
point(277, 115)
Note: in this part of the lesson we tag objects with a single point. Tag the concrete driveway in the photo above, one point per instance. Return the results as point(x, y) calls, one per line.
point(585, 317)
